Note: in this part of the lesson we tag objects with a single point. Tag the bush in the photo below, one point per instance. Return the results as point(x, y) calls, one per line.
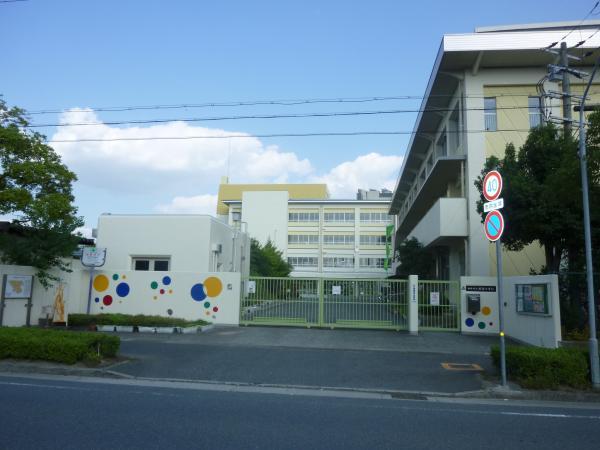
point(544, 368)
point(55, 345)
point(139, 320)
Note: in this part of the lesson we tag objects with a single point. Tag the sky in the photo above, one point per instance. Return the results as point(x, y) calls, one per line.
point(78, 58)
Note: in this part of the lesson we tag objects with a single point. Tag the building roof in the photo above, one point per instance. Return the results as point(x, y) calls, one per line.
point(235, 191)
point(324, 201)
point(488, 47)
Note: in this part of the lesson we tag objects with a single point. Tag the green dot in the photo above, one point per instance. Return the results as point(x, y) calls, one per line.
point(207, 304)
point(154, 285)
point(481, 325)
point(115, 277)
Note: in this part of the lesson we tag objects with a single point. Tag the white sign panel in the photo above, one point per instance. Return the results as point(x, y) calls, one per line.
point(493, 206)
point(93, 256)
point(251, 287)
point(434, 298)
point(18, 286)
point(336, 290)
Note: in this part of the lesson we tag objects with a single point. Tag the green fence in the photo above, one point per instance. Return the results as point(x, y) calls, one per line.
point(332, 303)
point(439, 307)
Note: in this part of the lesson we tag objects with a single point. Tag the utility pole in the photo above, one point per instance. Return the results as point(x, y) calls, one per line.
point(566, 89)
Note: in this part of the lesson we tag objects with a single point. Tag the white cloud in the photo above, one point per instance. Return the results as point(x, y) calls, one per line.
point(151, 165)
point(370, 171)
point(86, 232)
point(198, 204)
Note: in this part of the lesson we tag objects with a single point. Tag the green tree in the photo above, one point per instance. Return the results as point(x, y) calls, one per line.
point(542, 192)
point(267, 261)
point(35, 189)
point(414, 260)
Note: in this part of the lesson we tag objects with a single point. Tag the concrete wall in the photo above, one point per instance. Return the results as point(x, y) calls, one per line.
point(542, 330)
point(446, 218)
point(266, 214)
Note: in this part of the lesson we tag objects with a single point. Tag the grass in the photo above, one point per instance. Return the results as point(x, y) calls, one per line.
point(56, 345)
point(139, 320)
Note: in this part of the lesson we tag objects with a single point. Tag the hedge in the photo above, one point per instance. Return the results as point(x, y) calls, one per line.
point(545, 368)
point(56, 345)
point(140, 320)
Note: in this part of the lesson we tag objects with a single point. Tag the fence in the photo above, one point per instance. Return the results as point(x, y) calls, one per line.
point(439, 307)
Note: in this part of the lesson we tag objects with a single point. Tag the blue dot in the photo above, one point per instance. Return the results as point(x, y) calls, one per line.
point(469, 322)
point(97, 300)
point(197, 292)
point(122, 289)
point(166, 281)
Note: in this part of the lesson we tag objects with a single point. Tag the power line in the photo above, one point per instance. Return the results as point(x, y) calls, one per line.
point(12, 1)
point(276, 135)
point(268, 116)
point(554, 44)
point(288, 102)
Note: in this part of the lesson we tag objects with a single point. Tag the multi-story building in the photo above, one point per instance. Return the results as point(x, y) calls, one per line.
point(318, 236)
point(485, 91)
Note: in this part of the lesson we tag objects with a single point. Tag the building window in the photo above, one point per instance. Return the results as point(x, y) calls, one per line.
point(303, 217)
point(372, 240)
point(338, 261)
point(156, 264)
point(535, 112)
point(303, 239)
point(303, 261)
point(489, 113)
point(375, 217)
point(372, 263)
point(339, 217)
point(338, 239)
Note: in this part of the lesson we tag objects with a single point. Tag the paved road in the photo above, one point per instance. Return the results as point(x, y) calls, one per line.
point(60, 414)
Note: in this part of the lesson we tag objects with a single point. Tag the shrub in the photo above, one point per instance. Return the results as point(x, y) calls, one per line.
point(56, 345)
point(544, 368)
point(139, 320)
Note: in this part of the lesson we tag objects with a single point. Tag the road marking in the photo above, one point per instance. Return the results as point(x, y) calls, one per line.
point(462, 367)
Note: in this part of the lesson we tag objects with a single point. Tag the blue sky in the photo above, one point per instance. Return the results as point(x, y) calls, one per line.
point(60, 54)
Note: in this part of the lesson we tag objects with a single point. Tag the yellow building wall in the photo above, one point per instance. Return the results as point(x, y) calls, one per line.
point(296, 192)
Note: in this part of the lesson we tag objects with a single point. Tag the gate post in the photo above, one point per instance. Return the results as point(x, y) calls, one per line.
point(413, 304)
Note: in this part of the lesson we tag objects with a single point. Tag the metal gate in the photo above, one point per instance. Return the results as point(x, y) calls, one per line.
point(331, 303)
point(439, 305)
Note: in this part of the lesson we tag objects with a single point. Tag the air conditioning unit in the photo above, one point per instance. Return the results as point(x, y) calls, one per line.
point(217, 248)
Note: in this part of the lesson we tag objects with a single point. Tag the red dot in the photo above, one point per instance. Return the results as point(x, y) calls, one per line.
point(216, 309)
point(107, 300)
point(162, 291)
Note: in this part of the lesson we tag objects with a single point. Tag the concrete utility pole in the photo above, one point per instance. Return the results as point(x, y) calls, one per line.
point(566, 89)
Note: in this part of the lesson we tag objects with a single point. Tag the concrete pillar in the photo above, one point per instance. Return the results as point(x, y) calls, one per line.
point(413, 304)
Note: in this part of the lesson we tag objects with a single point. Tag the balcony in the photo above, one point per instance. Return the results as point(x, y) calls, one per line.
point(447, 218)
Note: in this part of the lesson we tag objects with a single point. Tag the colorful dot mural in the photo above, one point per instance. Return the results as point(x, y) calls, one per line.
point(486, 310)
point(102, 283)
point(211, 287)
point(156, 285)
point(469, 322)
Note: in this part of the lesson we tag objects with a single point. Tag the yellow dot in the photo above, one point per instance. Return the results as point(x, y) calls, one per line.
point(170, 291)
point(502, 333)
point(155, 297)
point(207, 313)
point(101, 283)
point(486, 310)
point(124, 277)
point(213, 286)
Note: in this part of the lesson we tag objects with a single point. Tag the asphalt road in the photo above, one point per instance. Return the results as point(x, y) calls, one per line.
point(56, 413)
point(318, 367)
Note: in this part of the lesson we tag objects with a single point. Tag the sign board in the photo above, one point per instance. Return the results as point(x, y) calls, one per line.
point(93, 256)
point(492, 206)
point(434, 298)
point(492, 185)
point(336, 290)
point(251, 287)
point(493, 225)
point(18, 286)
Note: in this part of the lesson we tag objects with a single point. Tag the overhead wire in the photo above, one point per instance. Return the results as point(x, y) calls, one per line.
point(578, 26)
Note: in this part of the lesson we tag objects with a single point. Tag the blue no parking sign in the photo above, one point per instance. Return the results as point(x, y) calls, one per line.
point(493, 225)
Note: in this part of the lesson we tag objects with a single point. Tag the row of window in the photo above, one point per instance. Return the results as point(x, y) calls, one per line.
point(490, 114)
point(151, 264)
point(367, 217)
point(335, 239)
point(336, 261)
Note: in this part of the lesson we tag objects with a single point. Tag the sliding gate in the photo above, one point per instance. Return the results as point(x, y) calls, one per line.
point(331, 303)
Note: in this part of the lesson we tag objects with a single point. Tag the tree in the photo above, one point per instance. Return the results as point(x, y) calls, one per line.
point(36, 189)
point(542, 192)
point(414, 260)
point(267, 260)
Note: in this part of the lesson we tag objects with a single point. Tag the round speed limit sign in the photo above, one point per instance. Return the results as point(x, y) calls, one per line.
point(492, 185)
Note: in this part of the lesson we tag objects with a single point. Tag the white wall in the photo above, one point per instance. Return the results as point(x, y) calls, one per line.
point(535, 329)
point(446, 218)
point(266, 214)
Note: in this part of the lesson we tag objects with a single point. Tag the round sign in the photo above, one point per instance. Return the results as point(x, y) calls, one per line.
point(492, 185)
point(493, 225)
